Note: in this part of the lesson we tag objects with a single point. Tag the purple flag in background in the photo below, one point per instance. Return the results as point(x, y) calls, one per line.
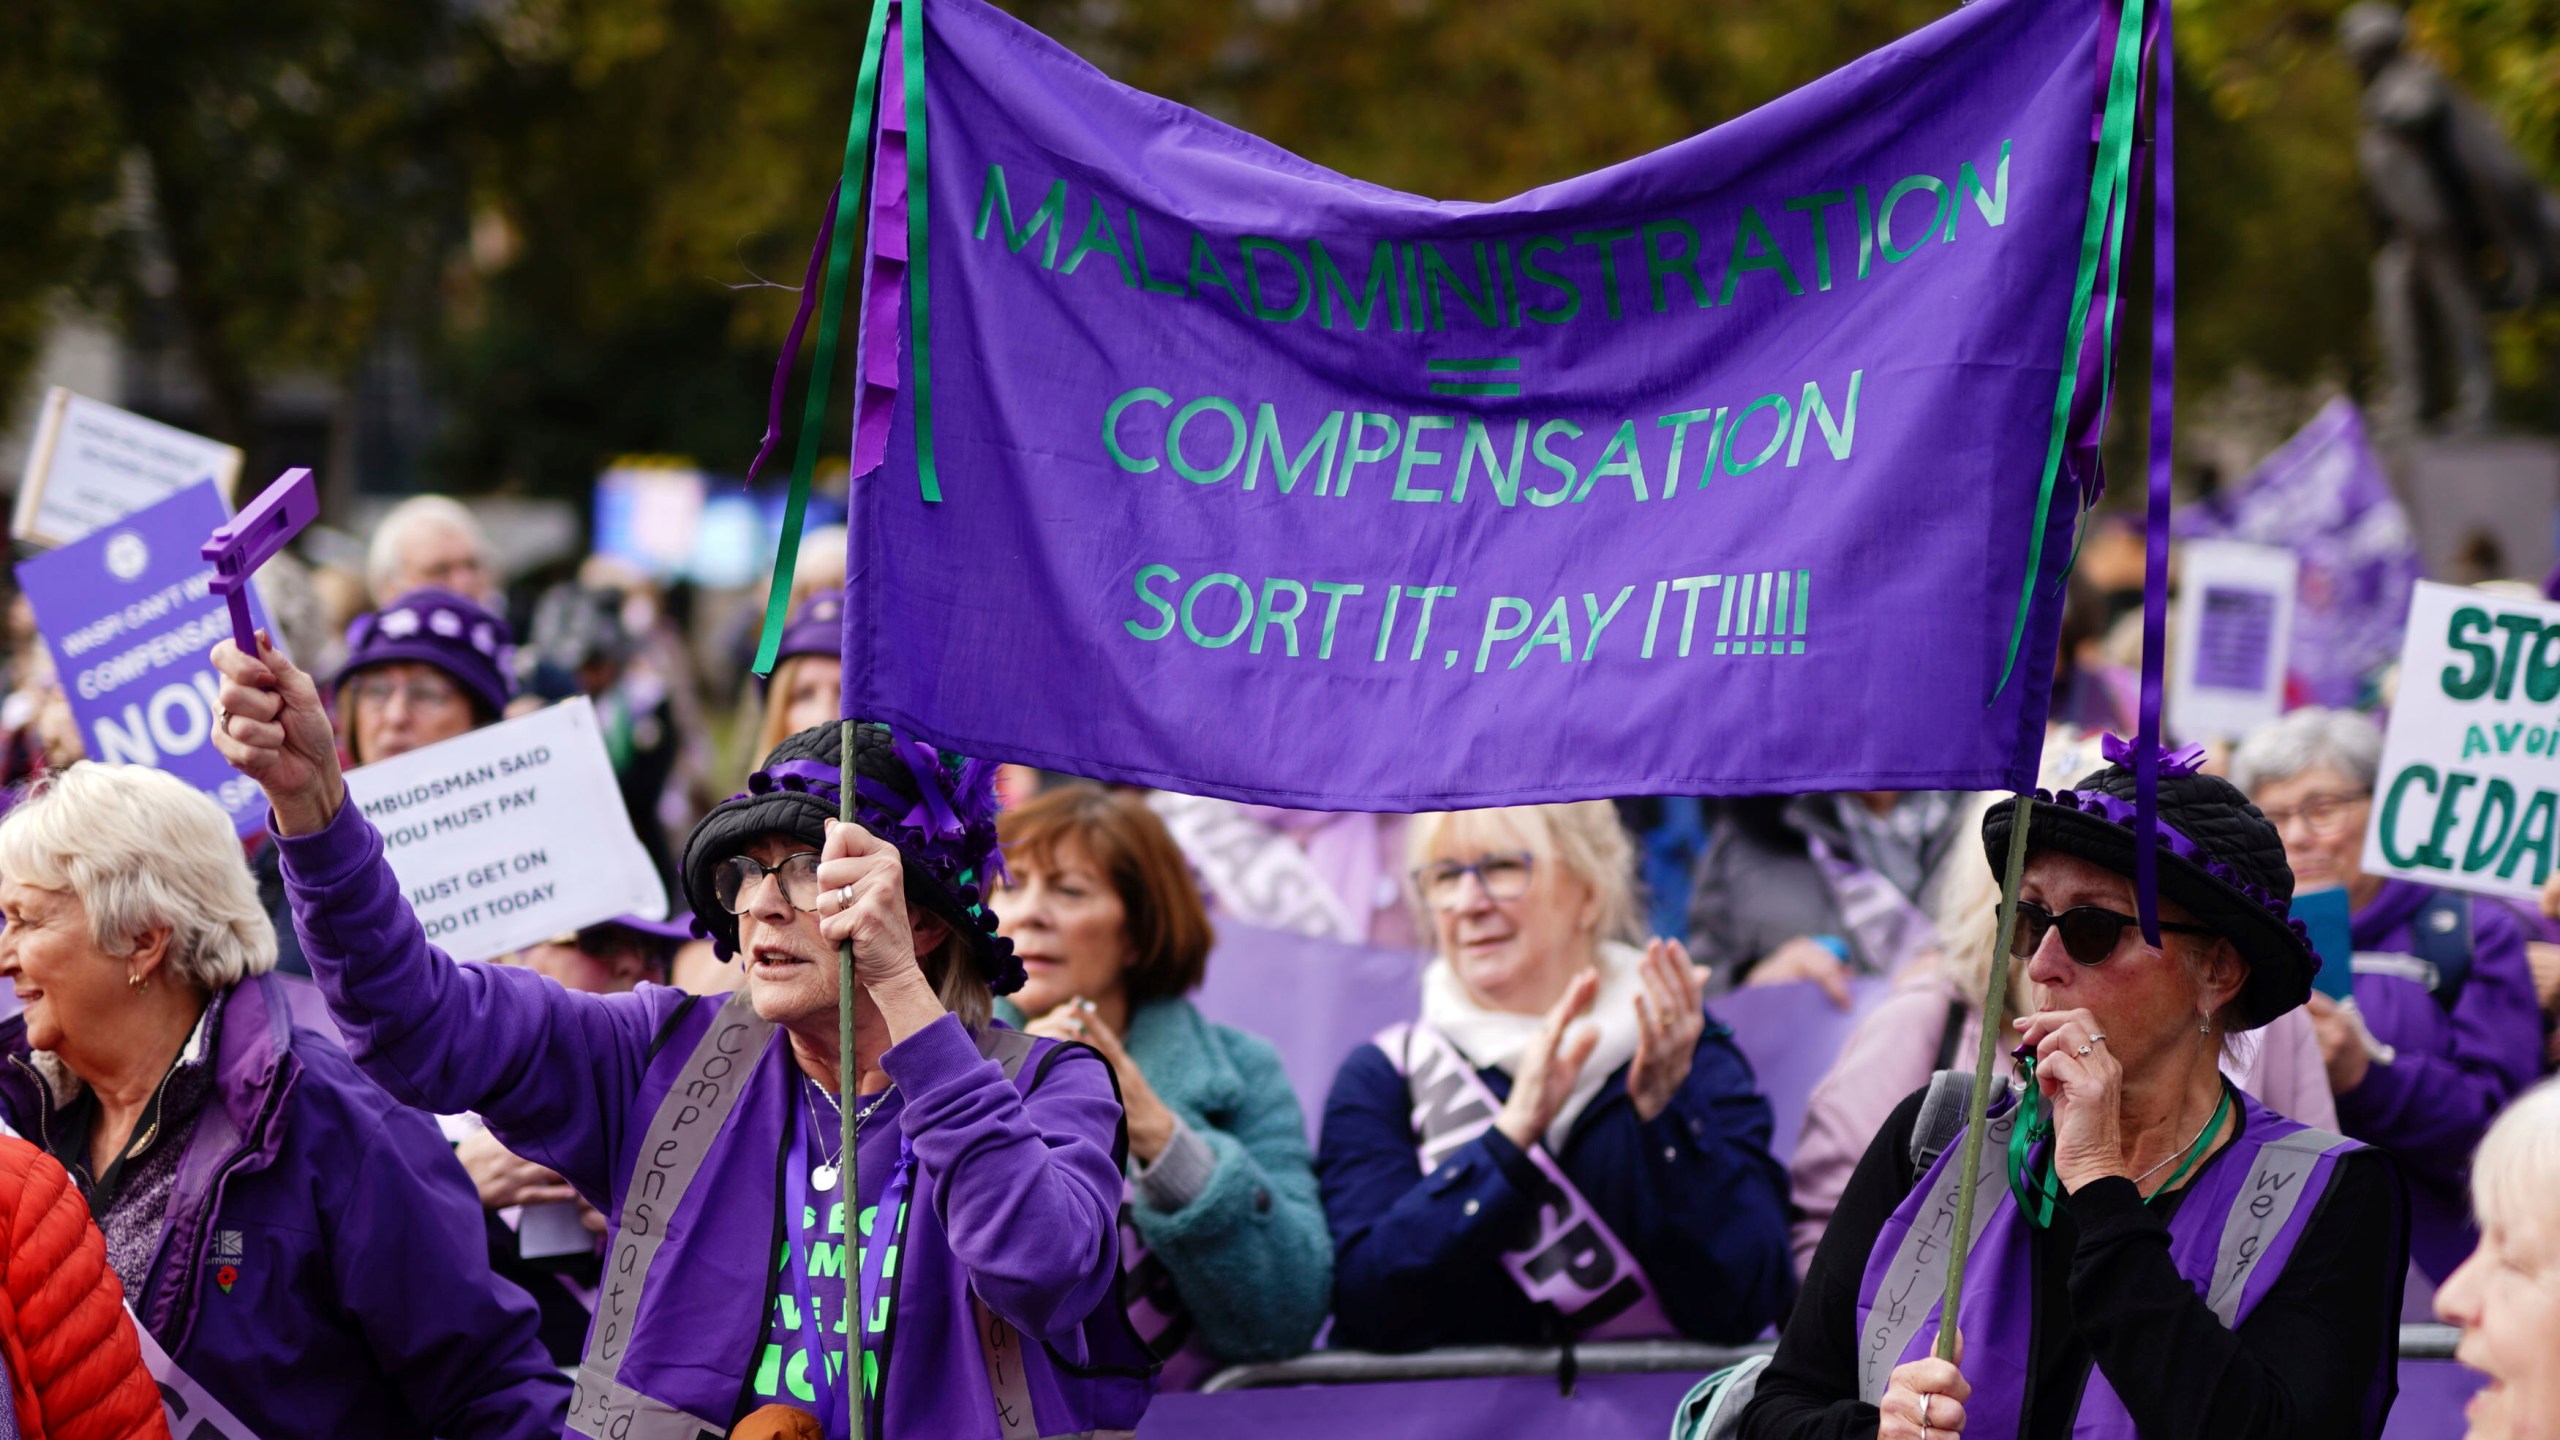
point(1715, 471)
point(2322, 495)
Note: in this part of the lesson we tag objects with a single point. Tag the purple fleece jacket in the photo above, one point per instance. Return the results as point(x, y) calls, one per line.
point(1023, 1191)
point(2454, 1070)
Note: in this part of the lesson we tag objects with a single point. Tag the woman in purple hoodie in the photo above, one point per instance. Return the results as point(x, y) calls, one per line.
point(707, 1129)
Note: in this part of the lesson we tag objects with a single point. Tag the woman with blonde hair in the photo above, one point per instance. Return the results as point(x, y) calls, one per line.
point(303, 1247)
point(1563, 1144)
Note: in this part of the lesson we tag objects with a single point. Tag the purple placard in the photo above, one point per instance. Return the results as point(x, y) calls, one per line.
point(1255, 480)
point(2235, 637)
point(129, 613)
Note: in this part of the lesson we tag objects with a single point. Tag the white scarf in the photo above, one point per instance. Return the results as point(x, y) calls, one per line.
point(1494, 1039)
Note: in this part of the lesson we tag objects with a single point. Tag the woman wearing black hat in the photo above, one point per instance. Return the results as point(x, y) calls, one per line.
point(2155, 1252)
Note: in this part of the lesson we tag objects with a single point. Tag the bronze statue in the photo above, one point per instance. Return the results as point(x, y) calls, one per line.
point(2466, 227)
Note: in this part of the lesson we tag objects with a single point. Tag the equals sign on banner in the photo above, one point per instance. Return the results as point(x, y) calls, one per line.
point(1473, 377)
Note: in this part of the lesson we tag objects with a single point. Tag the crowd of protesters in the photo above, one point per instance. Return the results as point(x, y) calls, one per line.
point(350, 1186)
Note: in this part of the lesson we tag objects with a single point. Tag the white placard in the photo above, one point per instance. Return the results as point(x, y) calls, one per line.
point(510, 834)
point(93, 464)
point(2469, 794)
point(2234, 631)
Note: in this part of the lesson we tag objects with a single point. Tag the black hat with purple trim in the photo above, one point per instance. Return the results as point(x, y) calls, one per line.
point(938, 808)
point(2218, 856)
point(460, 637)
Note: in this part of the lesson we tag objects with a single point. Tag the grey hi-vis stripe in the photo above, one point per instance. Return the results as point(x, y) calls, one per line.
point(671, 1151)
point(1918, 1275)
point(2265, 1203)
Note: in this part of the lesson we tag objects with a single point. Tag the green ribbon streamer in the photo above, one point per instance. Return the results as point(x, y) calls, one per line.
point(813, 415)
point(919, 335)
point(2103, 229)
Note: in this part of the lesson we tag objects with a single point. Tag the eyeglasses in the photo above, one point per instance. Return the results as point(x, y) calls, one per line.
point(2322, 815)
point(1443, 883)
point(2089, 932)
point(735, 881)
point(422, 692)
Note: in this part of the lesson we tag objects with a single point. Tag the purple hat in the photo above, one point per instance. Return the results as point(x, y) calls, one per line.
point(460, 637)
point(815, 628)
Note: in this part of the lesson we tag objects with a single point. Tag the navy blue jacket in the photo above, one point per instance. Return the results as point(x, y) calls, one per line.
point(1693, 1192)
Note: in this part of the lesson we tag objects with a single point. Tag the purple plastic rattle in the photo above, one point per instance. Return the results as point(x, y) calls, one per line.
point(251, 538)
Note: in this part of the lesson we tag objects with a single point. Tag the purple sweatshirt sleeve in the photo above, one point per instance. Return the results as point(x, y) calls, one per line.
point(1026, 1187)
point(554, 1073)
point(2433, 1108)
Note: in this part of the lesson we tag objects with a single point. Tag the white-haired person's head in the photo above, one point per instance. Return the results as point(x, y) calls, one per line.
point(430, 542)
point(2506, 1297)
point(1520, 898)
point(128, 904)
point(2311, 773)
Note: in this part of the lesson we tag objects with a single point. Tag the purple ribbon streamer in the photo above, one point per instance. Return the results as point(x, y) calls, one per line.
point(933, 813)
point(2155, 568)
point(2182, 762)
point(791, 343)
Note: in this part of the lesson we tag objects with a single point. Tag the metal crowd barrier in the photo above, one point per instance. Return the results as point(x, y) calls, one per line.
point(1616, 1357)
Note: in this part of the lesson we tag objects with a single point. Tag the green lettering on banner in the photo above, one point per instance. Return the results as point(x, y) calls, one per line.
point(1495, 631)
point(1265, 616)
point(1679, 425)
point(1605, 242)
point(1596, 619)
point(1300, 291)
point(1487, 307)
point(1838, 437)
point(1993, 203)
point(1813, 206)
point(1621, 458)
point(1566, 308)
point(1680, 264)
point(1554, 628)
point(1329, 286)
point(1138, 252)
point(1777, 437)
point(2433, 854)
point(1191, 601)
point(1111, 427)
point(1884, 214)
point(1332, 592)
point(2542, 668)
point(1359, 453)
point(2483, 851)
point(2475, 741)
point(1099, 224)
point(1206, 404)
point(1414, 454)
point(1051, 217)
point(1506, 483)
point(826, 1261)
point(2484, 661)
point(2533, 834)
point(2419, 774)
point(1266, 440)
point(1554, 462)
point(1162, 606)
point(1207, 271)
point(1754, 249)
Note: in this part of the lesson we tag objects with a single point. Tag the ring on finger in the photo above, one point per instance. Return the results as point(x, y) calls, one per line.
point(1925, 1398)
point(844, 897)
point(2082, 1052)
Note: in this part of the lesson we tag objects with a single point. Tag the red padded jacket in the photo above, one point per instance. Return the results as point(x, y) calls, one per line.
point(75, 1364)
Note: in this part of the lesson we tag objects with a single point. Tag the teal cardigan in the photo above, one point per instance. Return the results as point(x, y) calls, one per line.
point(1250, 1253)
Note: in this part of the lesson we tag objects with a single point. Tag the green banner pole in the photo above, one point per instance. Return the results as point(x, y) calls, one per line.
point(849, 1074)
point(1960, 1244)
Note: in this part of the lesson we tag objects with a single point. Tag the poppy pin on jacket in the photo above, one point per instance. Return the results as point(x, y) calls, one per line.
point(226, 1277)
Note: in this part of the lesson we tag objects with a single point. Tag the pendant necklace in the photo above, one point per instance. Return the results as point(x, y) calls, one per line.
point(824, 1174)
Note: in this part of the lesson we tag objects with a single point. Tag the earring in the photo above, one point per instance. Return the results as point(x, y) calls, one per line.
point(138, 981)
point(2205, 1028)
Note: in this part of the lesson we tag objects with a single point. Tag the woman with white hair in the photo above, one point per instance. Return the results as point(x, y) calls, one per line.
point(2506, 1297)
point(429, 542)
point(1563, 1145)
point(2445, 1028)
point(303, 1247)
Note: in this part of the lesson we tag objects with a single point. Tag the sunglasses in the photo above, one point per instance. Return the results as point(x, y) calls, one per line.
point(2090, 933)
point(735, 881)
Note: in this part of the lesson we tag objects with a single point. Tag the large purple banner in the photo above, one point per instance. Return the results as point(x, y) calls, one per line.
point(1720, 470)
